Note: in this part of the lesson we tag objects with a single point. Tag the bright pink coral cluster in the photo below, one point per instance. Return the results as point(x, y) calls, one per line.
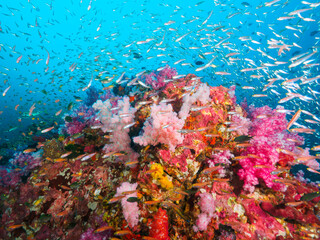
point(269, 135)
point(161, 127)
point(267, 121)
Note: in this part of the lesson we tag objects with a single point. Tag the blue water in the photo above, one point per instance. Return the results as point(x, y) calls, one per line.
point(102, 36)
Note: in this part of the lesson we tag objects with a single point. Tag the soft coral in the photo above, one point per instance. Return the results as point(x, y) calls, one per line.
point(160, 225)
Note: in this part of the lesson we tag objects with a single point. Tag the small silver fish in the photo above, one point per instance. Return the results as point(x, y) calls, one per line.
point(129, 125)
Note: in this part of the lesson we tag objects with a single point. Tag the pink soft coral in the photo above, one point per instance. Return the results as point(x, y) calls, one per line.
point(207, 207)
point(202, 222)
point(161, 127)
point(222, 157)
point(130, 209)
point(261, 166)
point(206, 203)
point(240, 124)
point(266, 121)
point(269, 135)
point(157, 80)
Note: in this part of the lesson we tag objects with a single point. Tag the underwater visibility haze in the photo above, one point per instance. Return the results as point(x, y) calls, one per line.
point(159, 119)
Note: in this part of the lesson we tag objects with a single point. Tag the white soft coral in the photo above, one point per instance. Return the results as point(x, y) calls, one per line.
point(115, 121)
point(202, 95)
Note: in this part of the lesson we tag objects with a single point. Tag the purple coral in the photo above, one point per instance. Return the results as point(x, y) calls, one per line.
point(81, 117)
point(157, 80)
point(9, 177)
point(20, 165)
point(91, 235)
point(26, 161)
point(75, 126)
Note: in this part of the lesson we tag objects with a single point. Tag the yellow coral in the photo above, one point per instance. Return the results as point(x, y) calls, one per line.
point(165, 183)
point(157, 174)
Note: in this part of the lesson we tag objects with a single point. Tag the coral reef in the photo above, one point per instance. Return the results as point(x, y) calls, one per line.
point(163, 156)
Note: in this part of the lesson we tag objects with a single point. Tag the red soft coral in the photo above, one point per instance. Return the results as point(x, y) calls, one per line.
point(160, 225)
